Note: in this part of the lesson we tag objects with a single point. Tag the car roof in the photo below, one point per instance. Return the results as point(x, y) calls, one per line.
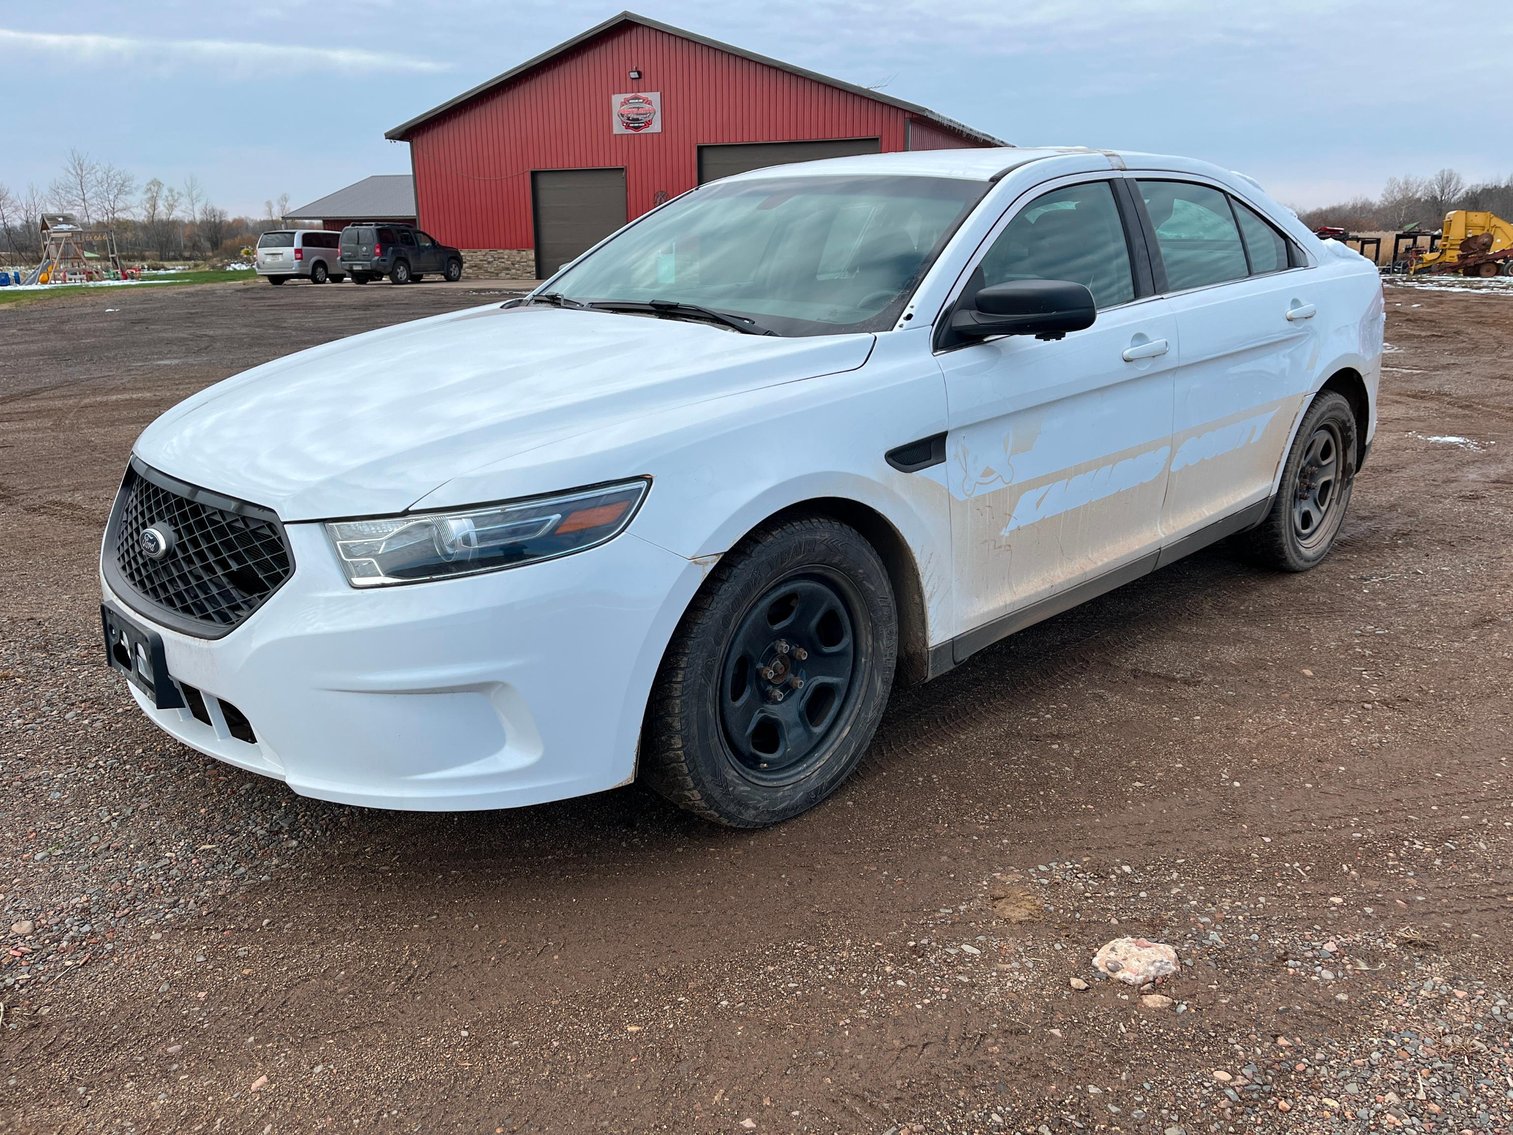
point(978, 164)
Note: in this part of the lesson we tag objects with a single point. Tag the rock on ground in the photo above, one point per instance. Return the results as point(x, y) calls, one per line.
point(1136, 961)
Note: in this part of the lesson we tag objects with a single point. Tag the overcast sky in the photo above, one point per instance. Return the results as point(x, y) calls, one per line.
point(1319, 99)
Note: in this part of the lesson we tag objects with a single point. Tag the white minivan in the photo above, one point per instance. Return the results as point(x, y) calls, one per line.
point(309, 254)
point(689, 510)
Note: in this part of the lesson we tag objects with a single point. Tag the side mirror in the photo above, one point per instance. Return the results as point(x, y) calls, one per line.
point(1046, 309)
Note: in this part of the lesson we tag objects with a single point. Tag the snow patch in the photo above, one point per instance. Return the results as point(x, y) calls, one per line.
point(1449, 439)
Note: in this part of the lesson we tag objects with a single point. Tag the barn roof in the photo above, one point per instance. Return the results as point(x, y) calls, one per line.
point(402, 132)
point(382, 196)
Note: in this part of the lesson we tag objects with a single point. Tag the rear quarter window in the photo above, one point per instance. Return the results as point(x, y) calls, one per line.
point(1269, 250)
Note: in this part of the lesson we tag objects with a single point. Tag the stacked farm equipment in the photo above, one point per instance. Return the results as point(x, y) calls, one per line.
point(1472, 243)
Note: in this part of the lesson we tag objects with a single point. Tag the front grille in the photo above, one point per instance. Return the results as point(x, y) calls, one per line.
point(225, 556)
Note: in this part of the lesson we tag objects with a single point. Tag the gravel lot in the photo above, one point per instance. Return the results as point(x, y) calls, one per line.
point(1301, 783)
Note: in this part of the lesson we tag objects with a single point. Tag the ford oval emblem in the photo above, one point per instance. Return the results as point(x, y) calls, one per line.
point(156, 541)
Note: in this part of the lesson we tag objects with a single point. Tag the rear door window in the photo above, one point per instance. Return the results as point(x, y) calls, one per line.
point(407, 238)
point(1195, 230)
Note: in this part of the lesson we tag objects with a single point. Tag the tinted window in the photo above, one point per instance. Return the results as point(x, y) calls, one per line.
point(407, 238)
point(276, 240)
point(1069, 234)
point(357, 234)
point(386, 236)
point(1267, 247)
point(1196, 232)
point(424, 239)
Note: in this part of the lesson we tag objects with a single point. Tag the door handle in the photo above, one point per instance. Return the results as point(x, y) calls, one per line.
point(1149, 349)
point(1299, 311)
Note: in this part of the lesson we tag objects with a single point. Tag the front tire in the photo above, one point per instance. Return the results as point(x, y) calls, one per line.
point(454, 270)
point(1315, 489)
point(776, 678)
point(400, 273)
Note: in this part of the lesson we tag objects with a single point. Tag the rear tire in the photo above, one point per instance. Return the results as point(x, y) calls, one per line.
point(277, 280)
point(400, 273)
point(454, 270)
point(318, 273)
point(1507, 268)
point(775, 681)
point(1315, 489)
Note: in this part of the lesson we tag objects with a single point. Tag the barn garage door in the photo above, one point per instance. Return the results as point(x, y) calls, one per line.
point(722, 161)
point(574, 210)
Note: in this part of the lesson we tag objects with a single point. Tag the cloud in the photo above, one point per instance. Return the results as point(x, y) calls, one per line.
point(242, 59)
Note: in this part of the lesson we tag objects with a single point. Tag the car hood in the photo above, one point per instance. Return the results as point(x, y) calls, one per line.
point(371, 424)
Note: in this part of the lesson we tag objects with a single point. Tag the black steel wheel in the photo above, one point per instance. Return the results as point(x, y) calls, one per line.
point(788, 676)
point(1315, 489)
point(400, 273)
point(454, 270)
point(777, 677)
point(318, 273)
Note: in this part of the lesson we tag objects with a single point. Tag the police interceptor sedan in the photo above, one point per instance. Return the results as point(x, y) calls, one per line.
point(691, 509)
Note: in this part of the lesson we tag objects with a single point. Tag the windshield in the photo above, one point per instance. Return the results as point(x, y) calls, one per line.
point(798, 255)
point(276, 240)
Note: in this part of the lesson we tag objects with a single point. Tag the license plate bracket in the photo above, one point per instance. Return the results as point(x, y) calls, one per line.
point(137, 653)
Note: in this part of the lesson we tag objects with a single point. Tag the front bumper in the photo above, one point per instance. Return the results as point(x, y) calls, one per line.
point(490, 691)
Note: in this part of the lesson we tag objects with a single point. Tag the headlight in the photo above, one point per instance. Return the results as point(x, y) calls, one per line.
point(437, 545)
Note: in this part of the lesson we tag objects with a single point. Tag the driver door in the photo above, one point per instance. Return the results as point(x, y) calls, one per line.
point(1057, 451)
point(430, 253)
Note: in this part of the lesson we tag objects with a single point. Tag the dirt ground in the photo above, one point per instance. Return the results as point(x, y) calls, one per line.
point(1300, 782)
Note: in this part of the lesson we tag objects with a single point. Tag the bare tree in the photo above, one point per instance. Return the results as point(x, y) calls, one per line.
point(172, 198)
point(213, 223)
point(114, 188)
point(1403, 201)
point(73, 191)
point(10, 218)
point(283, 206)
point(31, 219)
point(194, 195)
point(152, 199)
point(1442, 191)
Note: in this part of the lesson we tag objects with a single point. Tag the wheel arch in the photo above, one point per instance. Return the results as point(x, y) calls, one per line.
point(891, 547)
point(898, 559)
point(1350, 385)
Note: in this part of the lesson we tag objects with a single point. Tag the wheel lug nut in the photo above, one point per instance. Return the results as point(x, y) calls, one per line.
point(775, 695)
point(796, 682)
point(782, 646)
point(801, 654)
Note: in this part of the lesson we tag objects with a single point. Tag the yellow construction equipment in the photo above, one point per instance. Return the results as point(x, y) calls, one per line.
point(1474, 244)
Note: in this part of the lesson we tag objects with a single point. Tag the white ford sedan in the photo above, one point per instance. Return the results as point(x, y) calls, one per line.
point(690, 510)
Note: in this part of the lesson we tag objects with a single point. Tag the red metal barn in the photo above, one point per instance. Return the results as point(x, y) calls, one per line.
point(530, 168)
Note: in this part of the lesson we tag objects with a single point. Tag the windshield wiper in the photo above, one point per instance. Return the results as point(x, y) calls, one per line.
point(674, 309)
point(554, 299)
